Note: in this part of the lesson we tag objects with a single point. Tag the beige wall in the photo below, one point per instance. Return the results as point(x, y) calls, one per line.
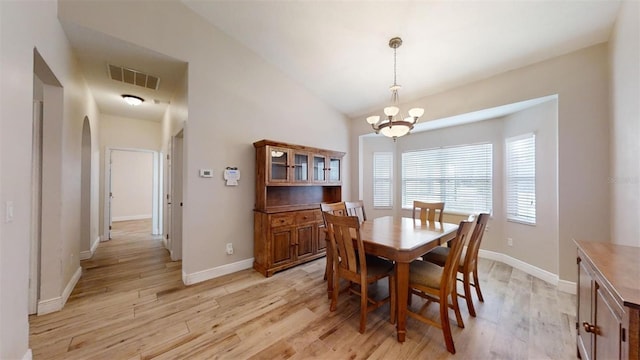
point(581, 81)
point(131, 185)
point(25, 26)
point(535, 245)
point(624, 177)
point(234, 99)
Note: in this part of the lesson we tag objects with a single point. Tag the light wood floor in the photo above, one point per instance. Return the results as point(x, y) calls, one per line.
point(131, 304)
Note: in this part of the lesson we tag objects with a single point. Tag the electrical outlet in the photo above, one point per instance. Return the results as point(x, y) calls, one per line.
point(229, 248)
point(510, 241)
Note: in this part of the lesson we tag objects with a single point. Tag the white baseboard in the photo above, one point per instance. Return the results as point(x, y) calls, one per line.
point(568, 287)
point(131, 217)
point(88, 254)
point(28, 355)
point(56, 304)
point(190, 279)
point(544, 275)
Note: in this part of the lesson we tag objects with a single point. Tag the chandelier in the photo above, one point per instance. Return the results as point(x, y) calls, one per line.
point(393, 125)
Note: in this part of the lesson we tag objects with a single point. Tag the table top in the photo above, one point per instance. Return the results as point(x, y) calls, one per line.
point(404, 239)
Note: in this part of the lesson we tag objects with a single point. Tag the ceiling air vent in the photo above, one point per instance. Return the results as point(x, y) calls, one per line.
point(133, 77)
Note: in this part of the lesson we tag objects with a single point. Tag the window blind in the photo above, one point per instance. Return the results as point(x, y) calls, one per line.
point(459, 176)
point(521, 178)
point(382, 179)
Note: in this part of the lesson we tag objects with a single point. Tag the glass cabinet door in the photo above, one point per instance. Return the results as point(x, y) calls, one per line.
point(279, 159)
point(334, 170)
point(301, 167)
point(319, 168)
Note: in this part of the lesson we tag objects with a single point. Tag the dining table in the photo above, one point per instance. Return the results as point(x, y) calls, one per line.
point(403, 240)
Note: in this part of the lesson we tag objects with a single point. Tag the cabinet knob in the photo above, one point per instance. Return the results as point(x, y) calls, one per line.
point(588, 327)
point(281, 220)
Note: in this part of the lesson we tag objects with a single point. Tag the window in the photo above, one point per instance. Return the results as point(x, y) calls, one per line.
point(382, 179)
point(460, 176)
point(521, 178)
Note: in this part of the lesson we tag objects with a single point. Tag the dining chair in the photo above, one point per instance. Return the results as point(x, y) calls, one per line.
point(356, 208)
point(468, 261)
point(350, 263)
point(438, 284)
point(337, 208)
point(428, 210)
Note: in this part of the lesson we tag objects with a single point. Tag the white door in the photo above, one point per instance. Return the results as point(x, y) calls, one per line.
point(176, 197)
point(168, 197)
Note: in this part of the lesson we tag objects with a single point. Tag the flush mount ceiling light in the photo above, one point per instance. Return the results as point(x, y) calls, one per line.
point(393, 125)
point(132, 99)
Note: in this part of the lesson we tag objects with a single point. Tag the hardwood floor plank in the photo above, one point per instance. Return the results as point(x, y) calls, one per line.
point(130, 303)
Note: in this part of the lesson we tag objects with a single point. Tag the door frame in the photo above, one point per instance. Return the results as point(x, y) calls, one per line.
point(156, 210)
point(36, 207)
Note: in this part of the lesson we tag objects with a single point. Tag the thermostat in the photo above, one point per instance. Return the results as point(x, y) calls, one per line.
point(206, 173)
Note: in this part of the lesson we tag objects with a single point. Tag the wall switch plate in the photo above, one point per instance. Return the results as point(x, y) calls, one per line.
point(8, 214)
point(510, 241)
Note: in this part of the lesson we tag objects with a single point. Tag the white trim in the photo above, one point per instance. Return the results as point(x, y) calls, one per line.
point(84, 255)
point(549, 277)
point(28, 355)
point(131, 217)
point(56, 304)
point(190, 279)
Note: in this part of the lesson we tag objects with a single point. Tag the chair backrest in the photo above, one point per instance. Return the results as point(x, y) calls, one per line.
point(450, 271)
point(338, 208)
point(471, 256)
point(349, 257)
point(356, 208)
point(428, 210)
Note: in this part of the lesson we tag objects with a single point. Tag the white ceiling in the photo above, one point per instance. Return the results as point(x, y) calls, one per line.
point(94, 50)
point(339, 49)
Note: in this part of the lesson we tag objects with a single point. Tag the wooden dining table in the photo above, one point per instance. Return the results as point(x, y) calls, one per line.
point(403, 240)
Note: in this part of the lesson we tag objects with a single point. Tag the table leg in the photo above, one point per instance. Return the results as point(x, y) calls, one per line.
point(402, 291)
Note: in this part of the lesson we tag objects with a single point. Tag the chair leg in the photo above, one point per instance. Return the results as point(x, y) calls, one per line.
point(363, 306)
point(467, 294)
point(336, 290)
point(476, 283)
point(456, 309)
point(446, 327)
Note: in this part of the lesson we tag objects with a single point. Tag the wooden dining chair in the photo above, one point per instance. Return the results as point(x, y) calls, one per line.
point(468, 262)
point(428, 210)
point(340, 209)
point(350, 263)
point(438, 284)
point(356, 208)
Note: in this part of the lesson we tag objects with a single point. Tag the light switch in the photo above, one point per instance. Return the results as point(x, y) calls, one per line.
point(8, 217)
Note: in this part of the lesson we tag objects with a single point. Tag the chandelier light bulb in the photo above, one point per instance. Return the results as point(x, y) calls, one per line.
point(391, 111)
point(373, 119)
point(416, 112)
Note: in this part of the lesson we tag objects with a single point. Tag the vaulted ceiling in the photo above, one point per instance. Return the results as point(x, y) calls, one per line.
point(339, 49)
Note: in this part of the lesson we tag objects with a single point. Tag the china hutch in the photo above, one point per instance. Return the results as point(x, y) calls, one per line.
point(608, 316)
point(291, 182)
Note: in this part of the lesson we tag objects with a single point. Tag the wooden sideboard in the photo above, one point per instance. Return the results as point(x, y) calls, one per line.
point(291, 182)
point(608, 312)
